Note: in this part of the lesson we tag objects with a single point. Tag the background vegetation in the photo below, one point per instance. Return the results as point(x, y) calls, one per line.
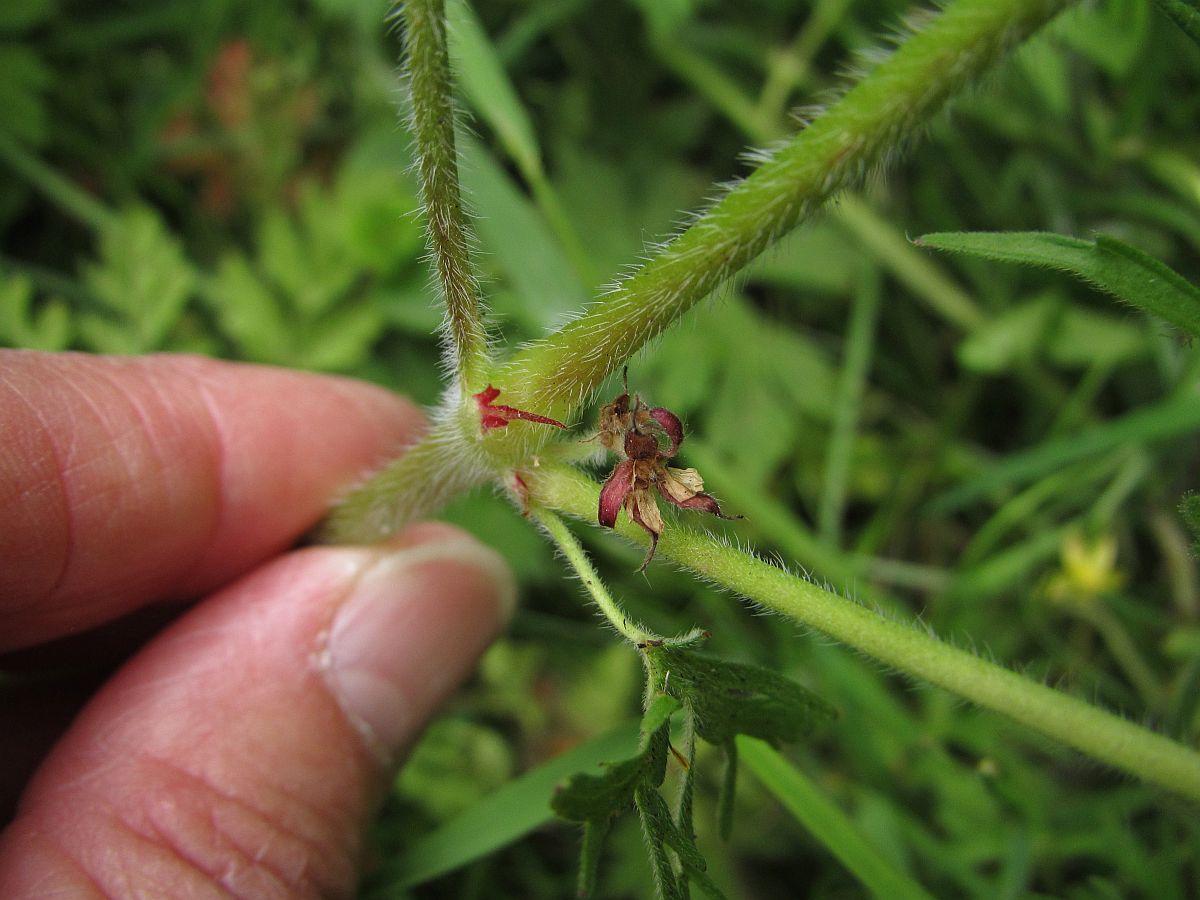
point(997, 449)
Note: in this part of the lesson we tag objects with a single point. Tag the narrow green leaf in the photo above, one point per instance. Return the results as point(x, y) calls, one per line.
point(827, 823)
point(482, 78)
point(1106, 263)
point(1166, 419)
point(660, 827)
point(1185, 14)
point(505, 816)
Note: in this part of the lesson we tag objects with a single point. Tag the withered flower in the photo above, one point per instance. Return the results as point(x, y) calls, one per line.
point(647, 438)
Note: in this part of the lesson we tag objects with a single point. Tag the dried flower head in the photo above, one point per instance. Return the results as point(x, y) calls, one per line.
point(647, 437)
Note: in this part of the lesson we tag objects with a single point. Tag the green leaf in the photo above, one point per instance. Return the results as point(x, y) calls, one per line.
point(1106, 263)
point(142, 279)
point(482, 77)
point(20, 15)
point(827, 823)
point(48, 328)
point(732, 698)
point(308, 297)
point(1185, 14)
point(1189, 509)
point(23, 79)
point(1166, 419)
point(1111, 35)
point(516, 239)
point(503, 817)
point(1069, 336)
point(587, 798)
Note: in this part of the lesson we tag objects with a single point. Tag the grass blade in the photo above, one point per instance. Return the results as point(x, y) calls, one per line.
point(826, 822)
point(1169, 418)
point(507, 815)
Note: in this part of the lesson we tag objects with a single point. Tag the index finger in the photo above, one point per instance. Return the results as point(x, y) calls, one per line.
point(126, 481)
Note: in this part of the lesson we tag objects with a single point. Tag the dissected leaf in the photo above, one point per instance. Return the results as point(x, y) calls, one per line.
point(596, 799)
point(586, 798)
point(1106, 263)
point(308, 298)
point(1185, 14)
point(143, 280)
point(732, 698)
point(48, 328)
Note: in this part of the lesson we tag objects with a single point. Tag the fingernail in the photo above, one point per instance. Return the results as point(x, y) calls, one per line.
point(411, 630)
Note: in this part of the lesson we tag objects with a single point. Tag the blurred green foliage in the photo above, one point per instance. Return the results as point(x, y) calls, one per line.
point(230, 178)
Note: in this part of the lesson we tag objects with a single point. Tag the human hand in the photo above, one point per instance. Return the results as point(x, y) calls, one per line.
point(243, 749)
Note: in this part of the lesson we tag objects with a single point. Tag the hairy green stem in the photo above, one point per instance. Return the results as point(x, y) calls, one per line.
point(1101, 735)
point(571, 549)
point(446, 230)
point(871, 122)
point(430, 474)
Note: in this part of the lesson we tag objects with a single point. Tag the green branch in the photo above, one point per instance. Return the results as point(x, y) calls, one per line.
point(446, 230)
point(1101, 735)
point(570, 548)
point(873, 121)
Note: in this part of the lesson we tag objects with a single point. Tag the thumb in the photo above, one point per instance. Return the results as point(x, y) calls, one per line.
point(244, 749)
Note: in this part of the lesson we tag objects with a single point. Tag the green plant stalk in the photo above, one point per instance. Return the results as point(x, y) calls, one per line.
point(68, 196)
point(873, 121)
point(856, 360)
point(826, 822)
point(1098, 734)
point(571, 549)
point(446, 231)
point(426, 477)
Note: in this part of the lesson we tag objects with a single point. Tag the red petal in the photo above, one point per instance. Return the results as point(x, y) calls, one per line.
point(614, 492)
point(671, 425)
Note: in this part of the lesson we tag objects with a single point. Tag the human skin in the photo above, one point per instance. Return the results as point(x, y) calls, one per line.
point(243, 749)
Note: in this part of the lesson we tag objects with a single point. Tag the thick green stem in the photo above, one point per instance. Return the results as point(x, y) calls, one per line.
point(433, 130)
point(430, 474)
point(870, 123)
point(913, 651)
